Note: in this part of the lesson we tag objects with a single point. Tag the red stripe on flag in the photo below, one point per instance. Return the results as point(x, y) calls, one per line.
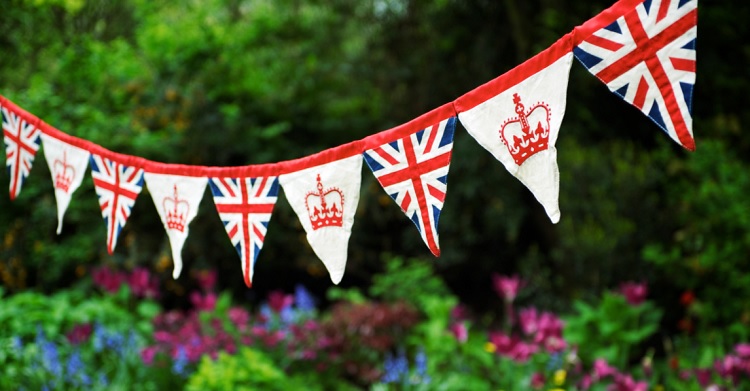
point(646, 47)
point(662, 10)
point(260, 186)
point(431, 140)
point(233, 231)
point(385, 155)
point(683, 64)
point(405, 202)
point(670, 99)
point(604, 43)
point(246, 234)
point(419, 191)
point(227, 186)
point(435, 192)
point(640, 93)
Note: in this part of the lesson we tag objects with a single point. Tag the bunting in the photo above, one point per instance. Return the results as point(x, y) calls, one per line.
point(325, 199)
point(245, 206)
point(644, 51)
point(67, 165)
point(517, 118)
point(117, 186)
point(176, 198)
point(647, 58)
point(22, 138)
point(413, 170)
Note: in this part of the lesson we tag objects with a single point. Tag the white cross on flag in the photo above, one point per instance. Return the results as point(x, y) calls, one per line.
point(21, 138)
point(67, 165)
point(647, 57)
point(176, 198)
point(117, 186)
point(517, 118)
point(325, 198)
point(245, 206)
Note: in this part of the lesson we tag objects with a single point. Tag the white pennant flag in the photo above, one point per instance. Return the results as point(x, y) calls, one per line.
point(325, 199)
point(176, 198)
point(67, 165)
point(519, 123)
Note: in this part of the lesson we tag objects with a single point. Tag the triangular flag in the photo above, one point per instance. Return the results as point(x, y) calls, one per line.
point(519, 122)
point(67, 165)
point(413, 170)
point(245, 206)
point(647, 57)
point(325, 198)
point(176, 198)
point(21, 138)
point(117, 186)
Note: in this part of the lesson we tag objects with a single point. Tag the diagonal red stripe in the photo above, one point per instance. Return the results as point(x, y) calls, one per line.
point(683, 64)
point(670, 99)
point(604, 43)
point(385, 155)
point(646, 47)
point(415, 170)
point(431, 140)
point(663, 8)
point(640, 93)
point(436, 193)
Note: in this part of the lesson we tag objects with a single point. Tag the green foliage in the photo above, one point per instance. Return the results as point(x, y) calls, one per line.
point(413, 281)
point(611, 329)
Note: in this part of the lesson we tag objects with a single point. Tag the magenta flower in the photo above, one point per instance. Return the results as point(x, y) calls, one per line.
point(79, 333)
point(147, 355)
point(602, 369)
point(143, 283)
point(460, 331)
point(527, 317)
point(239, 317)
point(206, 279)
point(537, 380)
point(635, 293)
point(507, 287)
point(206, 302)
point(107, 279)
point(743, 350)
point(277, 300)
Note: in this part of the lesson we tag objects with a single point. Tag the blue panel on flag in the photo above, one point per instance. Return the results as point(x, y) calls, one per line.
point(415, 220)
point(690, 45)
point(687, 93)
point(448, 133)
point(443, 179)
point(682, 2)
point(622, 91)
point(647, 5)
point(655, 114)
point(614, 27)
point(372, 163)
point(585, 58)
point(435, 215)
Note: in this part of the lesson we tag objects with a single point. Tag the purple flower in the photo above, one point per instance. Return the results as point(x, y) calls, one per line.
point(507, 286)
point(142, 283)
point(180, 361)
point(148, 354)
point(602, 369)
point(79, 333)
point(460, 331)
point(206, 279)
point(107, 279)
point(277, 300)
point(635, 292)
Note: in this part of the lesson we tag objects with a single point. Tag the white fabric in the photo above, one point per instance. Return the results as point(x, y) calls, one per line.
point(176, 198)
point(484, 122)
point(67, 165)
point(328, 240)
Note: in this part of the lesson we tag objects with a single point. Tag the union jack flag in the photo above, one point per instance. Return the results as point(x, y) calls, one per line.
point(245, 206)
point(647, 57)
point(21, 143)
point(117, 186)
point(414, 171)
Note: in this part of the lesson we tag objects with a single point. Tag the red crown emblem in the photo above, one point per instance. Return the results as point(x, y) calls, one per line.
point(176, 211)
point(64, 173)
point(528, 133)
point(325, 207)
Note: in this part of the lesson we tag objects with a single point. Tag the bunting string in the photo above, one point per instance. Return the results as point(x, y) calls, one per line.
point(643, 51)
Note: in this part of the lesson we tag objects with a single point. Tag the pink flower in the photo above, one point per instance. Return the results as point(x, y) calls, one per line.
point(107, 279)
point(460, 331)
point(147, 355)
point(635, 293)
point(206, 279)
point(528, 320)
point(627, 383)
point(586, 382)
point(743, 350)
point(507, 287)
point(459, 313)
point(79, 333)
point(142, 283)
point(205, 302)
point(537, 380)
point(602, 369)
point(239, 317)
point(277, 300)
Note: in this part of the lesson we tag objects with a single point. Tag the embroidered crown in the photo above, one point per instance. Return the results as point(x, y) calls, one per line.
point(325, 207)
point(527, 133)
point(176, 211)
point(64, 174)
